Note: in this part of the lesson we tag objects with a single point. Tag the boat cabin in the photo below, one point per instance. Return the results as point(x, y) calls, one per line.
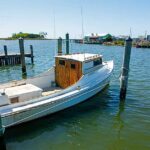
point(70, 68)
point(67, 71)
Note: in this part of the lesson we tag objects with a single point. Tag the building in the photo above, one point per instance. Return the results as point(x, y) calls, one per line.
point(97, 38)
point(121, 37)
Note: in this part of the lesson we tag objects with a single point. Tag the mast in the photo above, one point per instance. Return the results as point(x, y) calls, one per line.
point(54, 34)
point(130, 32)
point(82, 23)
point(82, 28)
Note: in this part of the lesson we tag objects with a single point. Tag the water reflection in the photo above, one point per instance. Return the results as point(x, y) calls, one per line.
point(70, 122)
point(118, 126)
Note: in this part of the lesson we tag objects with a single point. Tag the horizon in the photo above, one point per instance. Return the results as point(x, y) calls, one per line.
point(60, 17)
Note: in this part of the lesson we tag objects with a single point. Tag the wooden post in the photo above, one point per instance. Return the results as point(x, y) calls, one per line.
point(67, 43)
point(125, 69)
point(2, 138)
point(60, 46)
point(31, 49)
point(22, 56)
point(6, 58)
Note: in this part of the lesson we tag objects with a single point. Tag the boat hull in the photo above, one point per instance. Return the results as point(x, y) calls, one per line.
point(72, 98)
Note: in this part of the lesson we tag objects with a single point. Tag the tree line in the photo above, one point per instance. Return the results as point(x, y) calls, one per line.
point(41, 35)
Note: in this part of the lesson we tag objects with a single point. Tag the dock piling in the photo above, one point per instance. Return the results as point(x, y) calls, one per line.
point(22, 56)
point(5, 51)
point(32, 57)
point(60, 46)
point(125, 69)
point(2, 138)
point(67, 43)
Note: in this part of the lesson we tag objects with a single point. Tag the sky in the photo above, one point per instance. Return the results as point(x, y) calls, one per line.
point(57, 17)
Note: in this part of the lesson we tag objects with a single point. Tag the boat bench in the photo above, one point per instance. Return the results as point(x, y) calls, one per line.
point(23, 93)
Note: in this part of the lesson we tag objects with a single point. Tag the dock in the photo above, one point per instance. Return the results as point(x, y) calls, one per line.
point(14, 58)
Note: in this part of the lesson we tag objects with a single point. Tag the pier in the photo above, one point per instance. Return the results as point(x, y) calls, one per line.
point(14, 58)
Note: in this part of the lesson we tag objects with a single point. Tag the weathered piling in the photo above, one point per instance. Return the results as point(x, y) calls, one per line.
point(60, 46)
point(22, 56)
point(6, 54)
point(32, 57)
point(67, 43)
point(125, 69)
point(2, 138)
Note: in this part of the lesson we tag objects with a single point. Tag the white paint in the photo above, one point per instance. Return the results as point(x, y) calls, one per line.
point(4, 100)
point(87, 65)
point(43, 80)
point(23, 92)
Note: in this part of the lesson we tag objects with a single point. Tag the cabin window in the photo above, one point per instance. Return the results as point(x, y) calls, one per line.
point(73, 66)
point(62, 62)
point(97, 62)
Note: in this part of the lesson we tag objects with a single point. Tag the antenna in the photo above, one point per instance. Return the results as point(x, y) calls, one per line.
point(54, 25)
point(145, 34)
point(54, 36)
point(82, 23)
point(130, 32)
point(82, 28)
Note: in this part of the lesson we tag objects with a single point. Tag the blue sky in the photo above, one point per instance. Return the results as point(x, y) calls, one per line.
point(100, 16)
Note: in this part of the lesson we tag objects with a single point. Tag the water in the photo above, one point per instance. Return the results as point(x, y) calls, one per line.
point(102, 123)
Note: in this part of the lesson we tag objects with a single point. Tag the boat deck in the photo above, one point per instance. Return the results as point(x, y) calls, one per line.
point(51, 90)
point(24, 93)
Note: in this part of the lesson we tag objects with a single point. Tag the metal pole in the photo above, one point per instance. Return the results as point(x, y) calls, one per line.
point(5, 51)
point(125, 69)
point(67, 43)
point(31, 49)
point(22, 56)
point(60, 46)
point(2, 138)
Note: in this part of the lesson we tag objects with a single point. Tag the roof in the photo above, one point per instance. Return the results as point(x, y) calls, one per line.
point(80, 57)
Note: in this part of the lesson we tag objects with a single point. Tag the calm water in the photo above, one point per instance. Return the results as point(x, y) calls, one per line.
point(102, 123)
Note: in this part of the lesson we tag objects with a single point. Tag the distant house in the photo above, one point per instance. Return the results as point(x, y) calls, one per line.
point(97, 38)
point(121, 37)
point(141, 38)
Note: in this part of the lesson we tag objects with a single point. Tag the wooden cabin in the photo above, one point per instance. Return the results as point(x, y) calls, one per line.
point(70, 68)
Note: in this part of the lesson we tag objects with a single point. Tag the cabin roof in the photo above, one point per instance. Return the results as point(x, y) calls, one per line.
point(80, 57)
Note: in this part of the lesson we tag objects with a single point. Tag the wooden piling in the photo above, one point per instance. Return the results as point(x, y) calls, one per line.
point(67, 43)
point(60, 46)
point(125, 69)
point(2, 138)
point(5, 52)
point(22, 56)
point(32, 57)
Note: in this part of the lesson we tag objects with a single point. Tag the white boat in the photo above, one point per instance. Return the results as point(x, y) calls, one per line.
point(74, 79)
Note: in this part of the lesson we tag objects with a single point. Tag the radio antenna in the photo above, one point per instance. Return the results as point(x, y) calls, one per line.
point(82, 29)
point(54, 34)
point(82, 23)
point(130, 32)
